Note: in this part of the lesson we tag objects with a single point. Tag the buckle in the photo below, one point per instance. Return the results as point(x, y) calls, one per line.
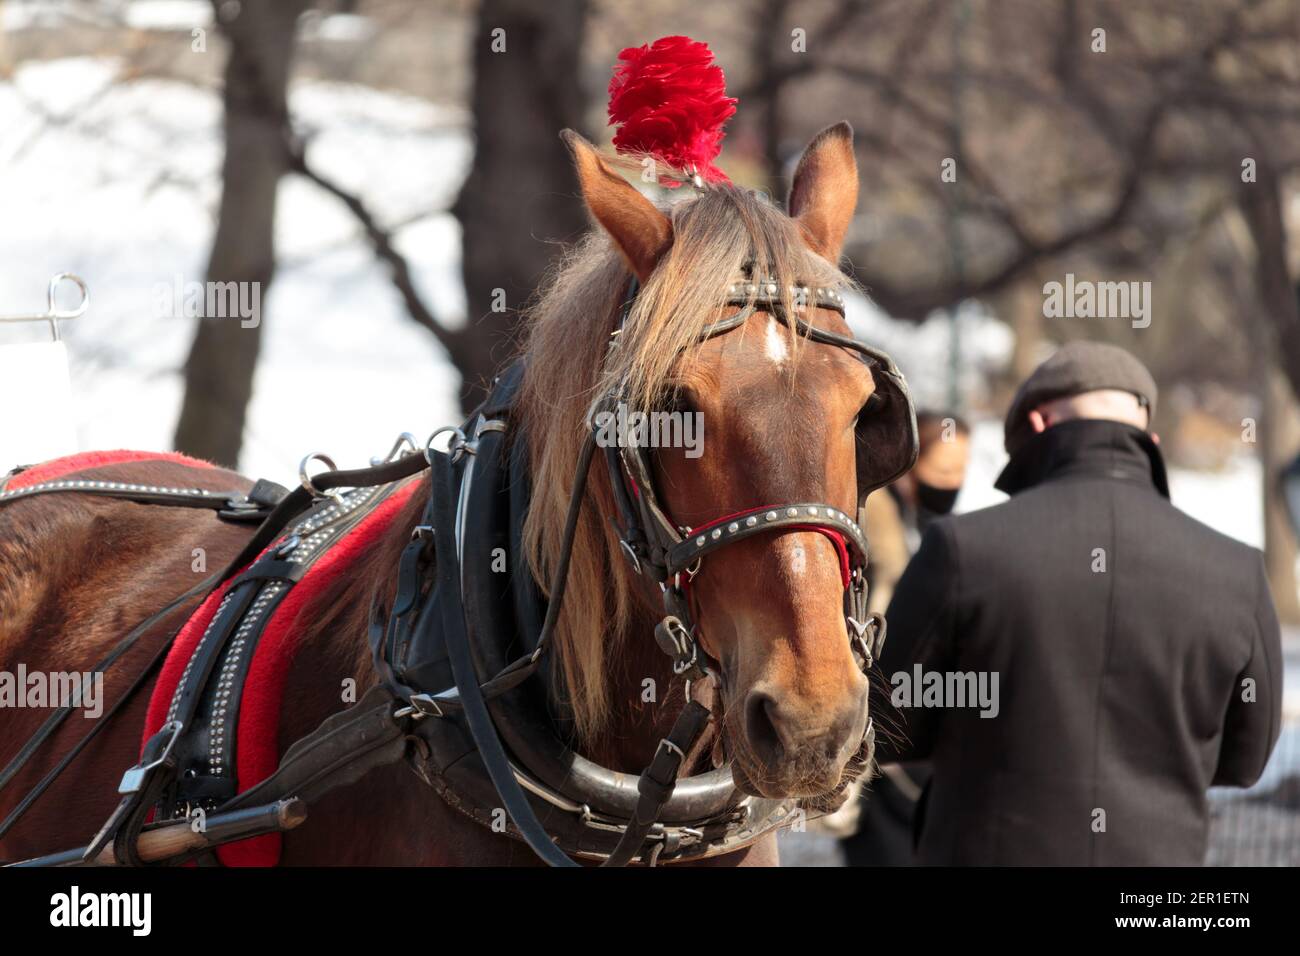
point(421, 706)
point(133, 779)
point(670, 747)
point(868, 638)
point(243, 508)
point(630, 553)
point(673, 638)
point(241, 504)
point(679, 644)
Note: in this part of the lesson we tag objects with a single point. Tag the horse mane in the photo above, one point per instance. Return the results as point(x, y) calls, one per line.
point(569, 365)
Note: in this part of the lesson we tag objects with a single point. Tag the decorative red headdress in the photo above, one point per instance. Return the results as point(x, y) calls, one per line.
point(669, 100)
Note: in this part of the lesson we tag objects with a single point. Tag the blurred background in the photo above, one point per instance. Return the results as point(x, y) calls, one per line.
point(387, 175)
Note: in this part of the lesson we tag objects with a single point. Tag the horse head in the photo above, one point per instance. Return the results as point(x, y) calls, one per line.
point(781, 410)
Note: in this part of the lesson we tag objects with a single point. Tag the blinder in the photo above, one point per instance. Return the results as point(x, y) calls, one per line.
point(886, 436)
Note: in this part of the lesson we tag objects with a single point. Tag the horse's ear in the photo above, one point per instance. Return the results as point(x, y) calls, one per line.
point(638, 228)
point(825, 190)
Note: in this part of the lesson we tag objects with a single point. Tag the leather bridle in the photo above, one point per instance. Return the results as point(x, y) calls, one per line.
point(671, 554)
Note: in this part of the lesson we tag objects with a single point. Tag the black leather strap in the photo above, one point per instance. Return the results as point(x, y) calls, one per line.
point(229, 505)
point(300, 499)
point(659, 780)
point(141, 788)
point(345, 746)
point(477, 717)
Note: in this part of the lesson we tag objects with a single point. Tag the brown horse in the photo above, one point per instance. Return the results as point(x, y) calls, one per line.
point(76, 571)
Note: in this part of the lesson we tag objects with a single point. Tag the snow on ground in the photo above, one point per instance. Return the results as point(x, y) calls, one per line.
point(117, 182)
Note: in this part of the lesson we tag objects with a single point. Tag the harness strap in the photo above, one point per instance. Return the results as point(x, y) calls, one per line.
point(209, 699)
point(231, 505)
point(658, 781)
point(145, 784)
point(300, 499)
point(456, 637)
point(344, 748)
point(141, 787)
point(386, 643)
point(843, 532)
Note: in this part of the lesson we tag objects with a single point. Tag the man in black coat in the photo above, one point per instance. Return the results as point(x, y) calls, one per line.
point(1081, 662)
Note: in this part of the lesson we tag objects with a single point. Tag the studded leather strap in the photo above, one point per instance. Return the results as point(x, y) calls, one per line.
point(844, 532)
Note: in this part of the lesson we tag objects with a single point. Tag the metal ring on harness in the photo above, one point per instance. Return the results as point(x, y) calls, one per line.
point(305, 479)
point(453, 447)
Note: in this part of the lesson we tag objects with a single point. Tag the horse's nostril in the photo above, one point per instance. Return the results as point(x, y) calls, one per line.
point(761, 725)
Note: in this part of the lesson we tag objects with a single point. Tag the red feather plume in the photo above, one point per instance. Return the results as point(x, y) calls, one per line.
point(669, 100)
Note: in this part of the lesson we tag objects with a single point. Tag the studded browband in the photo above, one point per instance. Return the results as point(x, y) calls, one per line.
point(767, 291)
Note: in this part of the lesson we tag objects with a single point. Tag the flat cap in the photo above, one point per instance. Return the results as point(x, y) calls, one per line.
point(1074, 368)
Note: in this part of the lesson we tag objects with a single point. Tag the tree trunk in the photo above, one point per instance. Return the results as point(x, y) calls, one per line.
point(1261, 204)
point(1278, 341)
point(1276, 436)
point(223, 356)
point(520, 192)
point(769, 83)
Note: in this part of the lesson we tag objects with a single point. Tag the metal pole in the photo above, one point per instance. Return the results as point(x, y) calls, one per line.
point(956, 245)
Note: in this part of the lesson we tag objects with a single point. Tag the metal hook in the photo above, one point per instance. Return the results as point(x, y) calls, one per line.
point(53, 313)
point(405, 439)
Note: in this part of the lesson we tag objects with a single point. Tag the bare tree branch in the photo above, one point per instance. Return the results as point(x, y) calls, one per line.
point(381, 240)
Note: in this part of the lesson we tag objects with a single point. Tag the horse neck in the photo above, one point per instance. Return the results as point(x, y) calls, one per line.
point(645, 698)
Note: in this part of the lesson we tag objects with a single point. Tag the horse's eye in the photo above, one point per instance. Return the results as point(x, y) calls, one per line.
point(677, 401)
point(871, 406)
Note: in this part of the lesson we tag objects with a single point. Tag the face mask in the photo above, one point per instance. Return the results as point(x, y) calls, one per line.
point(938, 501)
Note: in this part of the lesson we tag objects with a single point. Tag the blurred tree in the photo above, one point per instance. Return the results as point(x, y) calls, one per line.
point(1277, 348)
point(520, 191)
point(518, 201)
point(223, 356)
point(1099, 136)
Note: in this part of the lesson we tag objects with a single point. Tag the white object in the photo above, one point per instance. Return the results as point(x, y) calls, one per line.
point(36, 421)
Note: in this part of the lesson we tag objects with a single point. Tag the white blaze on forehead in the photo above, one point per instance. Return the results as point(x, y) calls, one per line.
point(776, 347)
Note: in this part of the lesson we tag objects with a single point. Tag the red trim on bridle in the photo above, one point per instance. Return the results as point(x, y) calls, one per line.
point(836, 538)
